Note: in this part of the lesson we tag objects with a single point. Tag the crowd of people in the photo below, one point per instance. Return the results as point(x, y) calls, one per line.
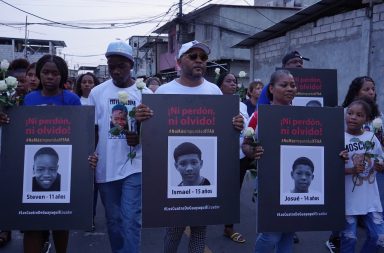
point(118, 176)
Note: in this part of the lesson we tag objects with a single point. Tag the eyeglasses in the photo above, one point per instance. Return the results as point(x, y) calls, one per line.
point(193, 56)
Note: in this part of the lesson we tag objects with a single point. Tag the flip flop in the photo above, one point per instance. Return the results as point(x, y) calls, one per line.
point(237, 237)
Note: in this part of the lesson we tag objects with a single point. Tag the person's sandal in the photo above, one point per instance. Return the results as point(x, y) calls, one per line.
point(236, 237)
point(5, 237)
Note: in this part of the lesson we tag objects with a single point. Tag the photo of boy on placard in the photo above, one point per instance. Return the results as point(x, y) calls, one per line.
point(301, 175)
point(308, 101)
point(188, 162)
point(47, 174)
point(45, 170)
point(192, 167)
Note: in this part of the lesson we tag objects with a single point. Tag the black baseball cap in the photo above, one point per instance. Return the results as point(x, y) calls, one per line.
point(291, 55)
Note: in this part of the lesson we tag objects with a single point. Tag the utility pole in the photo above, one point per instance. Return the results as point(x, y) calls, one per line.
point(178, 24)
point(26, 38)
point(180, 9)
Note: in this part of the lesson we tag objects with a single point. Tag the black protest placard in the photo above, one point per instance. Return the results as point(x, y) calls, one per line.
point(181, 126)
point(315, 87)
point(301, 176)
point(44, 168)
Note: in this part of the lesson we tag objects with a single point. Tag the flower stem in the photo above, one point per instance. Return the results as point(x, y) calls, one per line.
point(365, 153)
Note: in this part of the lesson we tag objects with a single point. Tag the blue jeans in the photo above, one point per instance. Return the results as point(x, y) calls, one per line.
point(122, 203)
point(267, 242)
point(380, 185)
point(375, 233)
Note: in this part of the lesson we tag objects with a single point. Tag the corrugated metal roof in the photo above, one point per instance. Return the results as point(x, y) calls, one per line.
point(318, 10)
point(92, 68)
point(154, 41)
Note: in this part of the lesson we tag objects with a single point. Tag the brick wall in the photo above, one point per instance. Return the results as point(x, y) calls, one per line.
point(338, 42)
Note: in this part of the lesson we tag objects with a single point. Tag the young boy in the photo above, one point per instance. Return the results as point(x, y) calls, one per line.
point(188, 162)
point(45, 166)
point(302, 174)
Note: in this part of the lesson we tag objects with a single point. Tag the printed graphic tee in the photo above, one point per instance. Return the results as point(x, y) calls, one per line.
point(361, 191)
point(113, 119)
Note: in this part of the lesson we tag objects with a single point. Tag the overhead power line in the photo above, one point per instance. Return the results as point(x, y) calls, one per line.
point(201, 5)
point(40, 17)
point(12, 26)
point(113, 25)
point(20, 28)
point(166, 13)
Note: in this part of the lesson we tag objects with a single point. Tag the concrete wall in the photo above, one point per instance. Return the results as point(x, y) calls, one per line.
point(241, 23)
point(139, 68)
point(350, 42)
point(376, 58)
point(227, 26)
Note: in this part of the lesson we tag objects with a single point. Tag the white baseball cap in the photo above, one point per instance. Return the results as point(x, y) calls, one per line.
point(193, 44)
point(121, 48)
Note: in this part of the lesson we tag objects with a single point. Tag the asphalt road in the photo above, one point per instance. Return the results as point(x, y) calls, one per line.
point(152, 239)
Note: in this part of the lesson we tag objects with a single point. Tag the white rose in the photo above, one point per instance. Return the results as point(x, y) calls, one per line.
point(217, 71)
point(249, 132)
point(123, 97)
point(377, 124)
point(11, 81)
point(4, 65)
point(242, 74)
point(140, 83)
point(239, 85)
point(3, 85)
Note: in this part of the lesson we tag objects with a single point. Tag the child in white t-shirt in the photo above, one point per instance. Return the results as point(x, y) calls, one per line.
point(361, 193)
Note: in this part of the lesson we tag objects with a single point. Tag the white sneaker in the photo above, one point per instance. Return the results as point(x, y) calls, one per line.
point(46, 247)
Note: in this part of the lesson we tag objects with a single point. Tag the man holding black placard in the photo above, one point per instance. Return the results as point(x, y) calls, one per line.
point(192, 59)
point(118, 172)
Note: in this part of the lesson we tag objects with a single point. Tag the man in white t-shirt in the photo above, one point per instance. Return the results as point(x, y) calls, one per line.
point(192, 59)
point(118, 171)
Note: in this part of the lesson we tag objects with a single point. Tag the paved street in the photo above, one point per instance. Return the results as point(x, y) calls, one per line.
point(83, 242)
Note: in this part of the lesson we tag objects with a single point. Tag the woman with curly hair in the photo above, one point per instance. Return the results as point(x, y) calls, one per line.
point(84, 84)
